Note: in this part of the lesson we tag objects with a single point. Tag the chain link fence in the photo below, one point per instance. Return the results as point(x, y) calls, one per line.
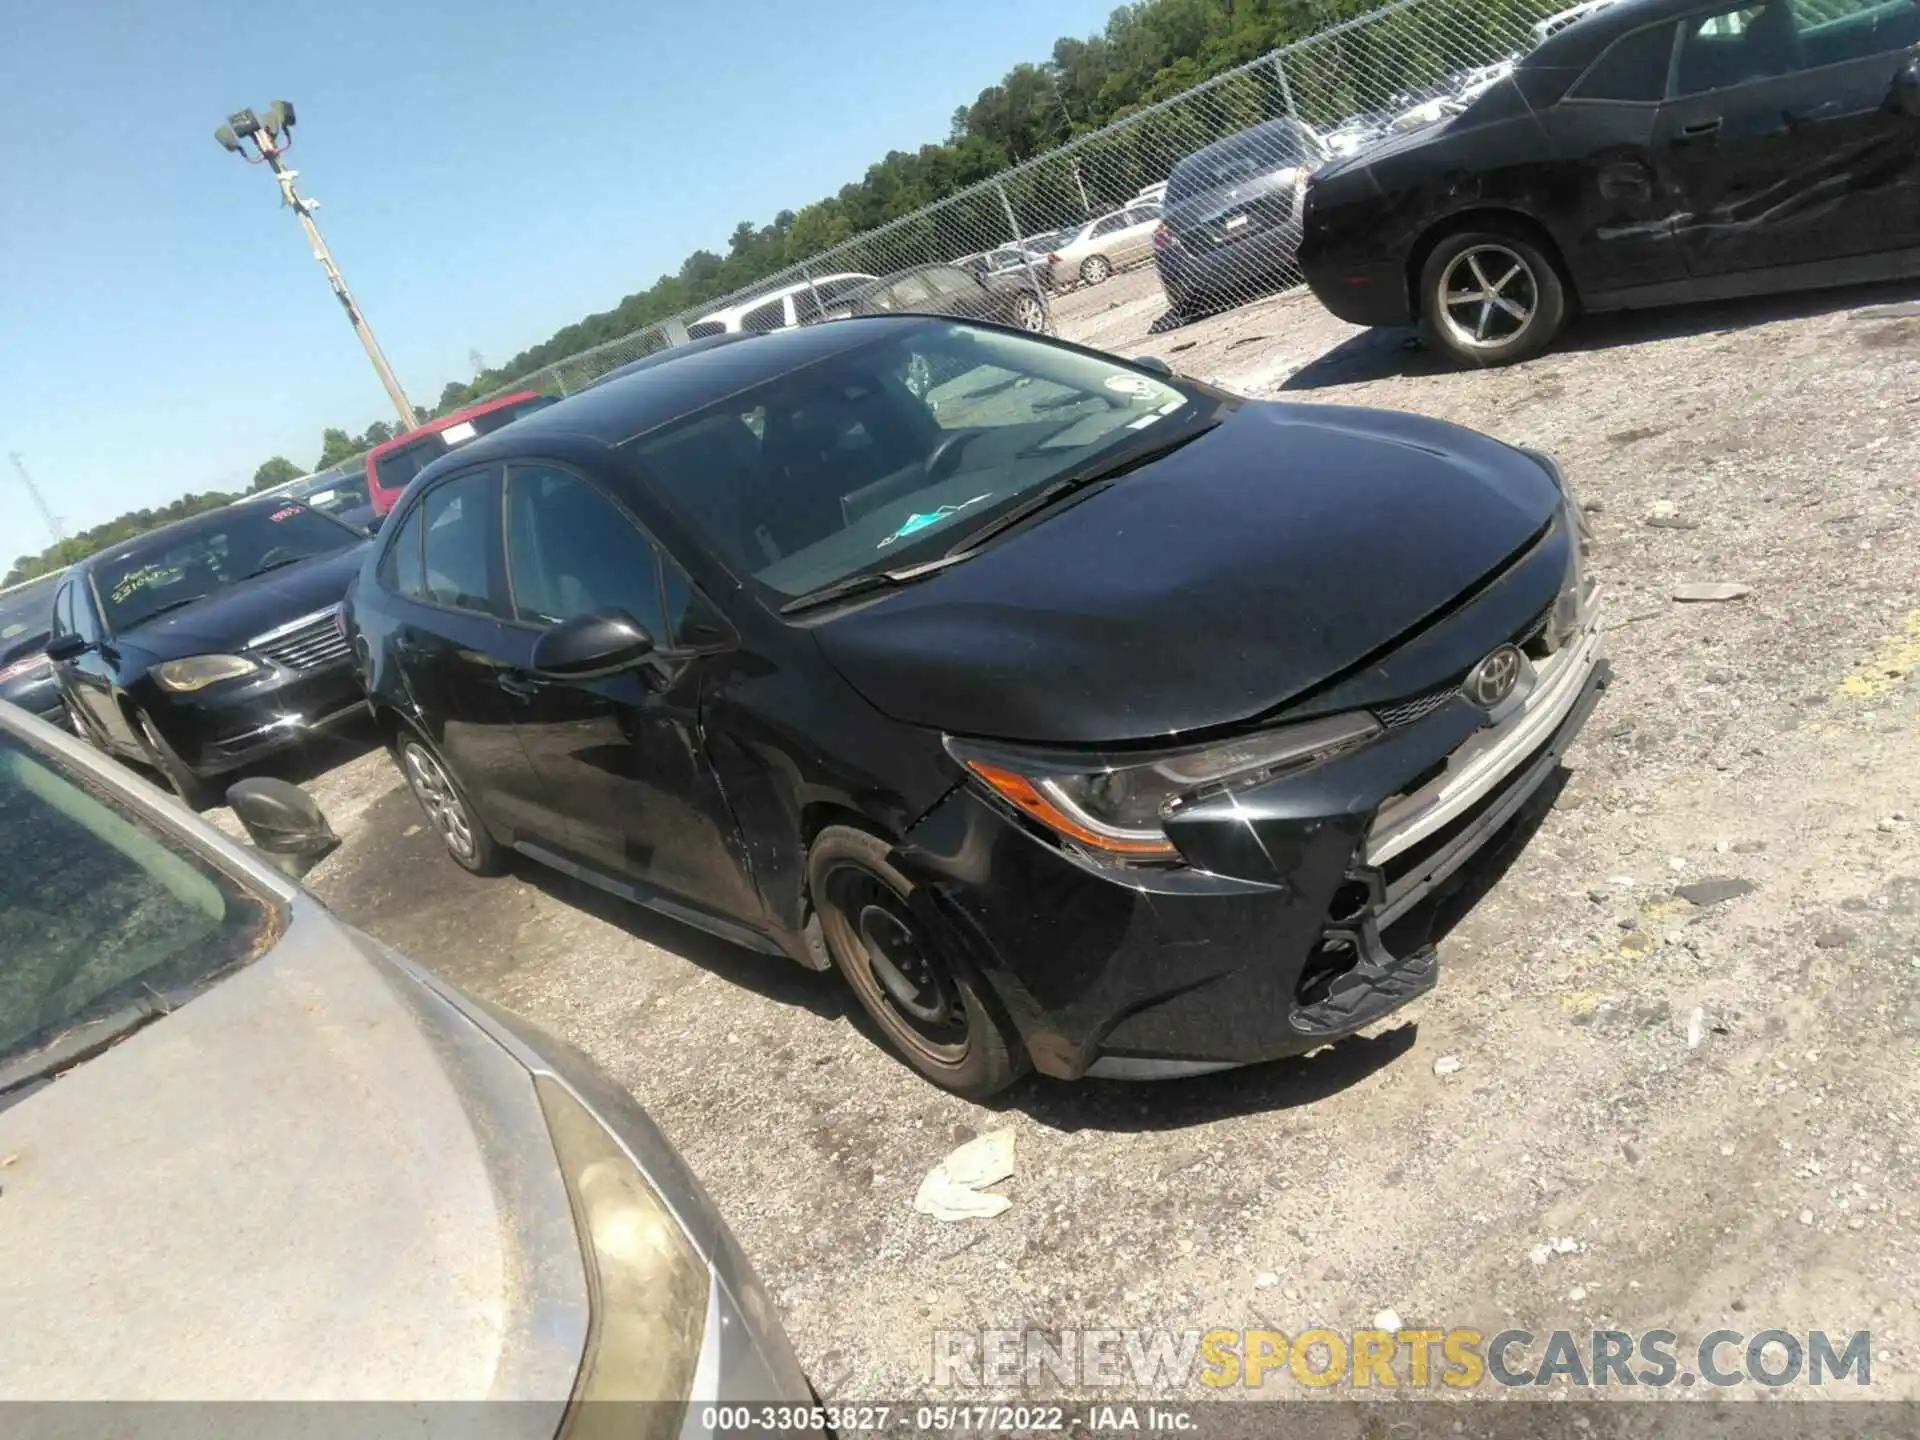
point(1187, 207)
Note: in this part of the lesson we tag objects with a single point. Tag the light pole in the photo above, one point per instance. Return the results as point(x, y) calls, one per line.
point(40, 504)
point(272, 137)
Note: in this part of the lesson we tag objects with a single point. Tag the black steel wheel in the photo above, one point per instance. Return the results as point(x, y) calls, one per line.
point(905, 969)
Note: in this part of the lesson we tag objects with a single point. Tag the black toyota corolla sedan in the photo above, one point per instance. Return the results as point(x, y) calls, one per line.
point(1086, 717)
point(1654, 151)
point(207, 644)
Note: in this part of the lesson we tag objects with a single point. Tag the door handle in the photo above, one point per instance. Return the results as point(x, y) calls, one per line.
point(1700, 129)
point(519, 685)
point(1825, 110)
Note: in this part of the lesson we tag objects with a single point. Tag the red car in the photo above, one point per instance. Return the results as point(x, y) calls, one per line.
point(392, 464)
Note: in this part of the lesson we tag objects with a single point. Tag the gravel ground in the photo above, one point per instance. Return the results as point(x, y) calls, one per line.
point(1656, 1112)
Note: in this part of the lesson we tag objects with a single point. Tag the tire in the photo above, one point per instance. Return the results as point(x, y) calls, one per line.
point(932, 1006)
point(1491, 296)
point(448, 812)
point(1029, 314)
point(195, 793)
point(1094, 269)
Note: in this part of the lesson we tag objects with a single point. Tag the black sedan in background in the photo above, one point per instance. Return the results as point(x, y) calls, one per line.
point(26, 674)
point(1011, 298)
point(1654, 151)
point(207, 644)
point(1230, 227)
point(1086, 718)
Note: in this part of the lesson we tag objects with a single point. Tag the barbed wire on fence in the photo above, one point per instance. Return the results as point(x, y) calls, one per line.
point(1196, 199)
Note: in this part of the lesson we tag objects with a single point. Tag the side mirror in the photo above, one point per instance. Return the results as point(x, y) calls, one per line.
point(1155, 364)
point(70, 646)
point(283, 822)
point(589, 646)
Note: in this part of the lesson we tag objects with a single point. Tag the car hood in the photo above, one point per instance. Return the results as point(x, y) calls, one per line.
point(233, 615)
point(316, 1180)
point(1275, 552)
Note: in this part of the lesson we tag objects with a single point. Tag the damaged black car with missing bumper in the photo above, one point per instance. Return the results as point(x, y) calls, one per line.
point(1087, 718)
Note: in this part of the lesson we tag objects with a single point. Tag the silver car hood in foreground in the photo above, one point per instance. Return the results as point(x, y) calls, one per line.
point(315, 1180)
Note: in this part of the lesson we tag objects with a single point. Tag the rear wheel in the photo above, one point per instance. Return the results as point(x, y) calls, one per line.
point(1029, 314)
point(907, 974)
point(194, 792)
point(1491, 297)
point(1094, 269)
point(446, 807)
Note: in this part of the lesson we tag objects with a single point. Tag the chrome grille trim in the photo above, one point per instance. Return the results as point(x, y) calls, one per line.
point(307, 643)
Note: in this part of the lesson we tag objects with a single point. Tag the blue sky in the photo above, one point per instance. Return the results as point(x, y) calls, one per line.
point(486, 171)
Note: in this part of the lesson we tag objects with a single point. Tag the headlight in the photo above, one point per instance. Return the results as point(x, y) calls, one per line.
point(196, 672)
point(646, 1282)
point(1570, 607)
point(1117, 807)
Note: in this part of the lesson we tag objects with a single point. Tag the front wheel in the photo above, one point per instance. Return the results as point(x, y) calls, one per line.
point(1491, 297)
point(1028, 314)
point(907, 974)
point(1094, 269)
point(195, 793)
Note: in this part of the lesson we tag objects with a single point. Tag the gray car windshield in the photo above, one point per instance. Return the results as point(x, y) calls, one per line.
point(883, 455)
point(102, 914)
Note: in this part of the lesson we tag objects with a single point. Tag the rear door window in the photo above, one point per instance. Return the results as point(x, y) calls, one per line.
point(400, 567)
point(457, 543)
point(910, 290)
point(1633, 69)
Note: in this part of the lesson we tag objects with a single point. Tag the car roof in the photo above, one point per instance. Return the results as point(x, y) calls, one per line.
point(619, 409)
point(672, 352)
point(1227, 143)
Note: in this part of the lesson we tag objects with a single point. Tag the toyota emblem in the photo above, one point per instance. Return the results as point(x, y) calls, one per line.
point(1492, 680)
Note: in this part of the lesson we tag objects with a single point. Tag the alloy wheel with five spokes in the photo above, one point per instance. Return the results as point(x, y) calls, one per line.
point(1489, 296)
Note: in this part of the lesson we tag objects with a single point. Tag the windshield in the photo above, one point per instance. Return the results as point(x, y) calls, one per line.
point(99, 911)
point(28, 611)
point(1277, 145)
point(884, 455)
point(171, 568)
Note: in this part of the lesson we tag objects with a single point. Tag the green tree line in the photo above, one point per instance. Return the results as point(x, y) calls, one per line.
point(1149, 51)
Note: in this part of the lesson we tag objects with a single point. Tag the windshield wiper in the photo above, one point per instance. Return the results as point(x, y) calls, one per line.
point(1110, 468)
point(865, 581)
point(77, 1046)
point(273, 565)
point(160, 610)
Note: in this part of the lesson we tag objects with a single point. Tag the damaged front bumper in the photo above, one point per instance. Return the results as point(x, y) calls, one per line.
point(1308, 909)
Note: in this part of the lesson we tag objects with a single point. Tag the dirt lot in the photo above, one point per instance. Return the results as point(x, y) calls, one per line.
point(1664, 1114)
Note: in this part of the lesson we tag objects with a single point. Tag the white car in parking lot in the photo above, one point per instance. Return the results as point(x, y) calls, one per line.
point(798, 304)
point(1100, 247)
